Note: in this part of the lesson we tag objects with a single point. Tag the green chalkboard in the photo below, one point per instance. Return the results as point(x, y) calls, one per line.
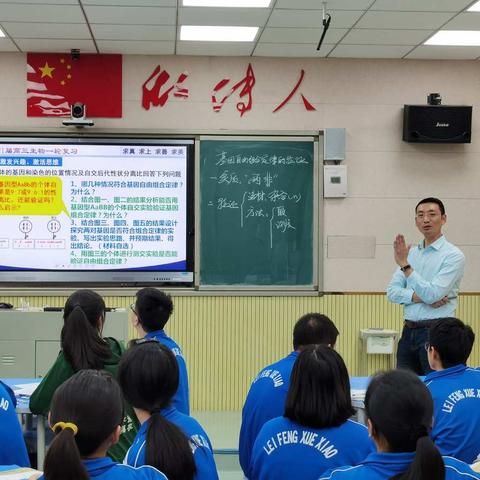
point(256, 208)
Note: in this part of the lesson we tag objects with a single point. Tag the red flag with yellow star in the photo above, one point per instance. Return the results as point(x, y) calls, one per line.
point(55, 81)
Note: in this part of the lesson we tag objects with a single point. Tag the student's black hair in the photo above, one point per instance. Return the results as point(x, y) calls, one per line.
point(319, 392)
point(92, 401)
point(153, 308)
point(400, 409)
point(148, 374)
point(453, 340)
point(81, 340)
point(437, 201)
point(314, 328)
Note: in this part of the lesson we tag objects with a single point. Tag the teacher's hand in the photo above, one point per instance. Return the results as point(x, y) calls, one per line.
point(400, 250)
point(416, 298)
point(440, 303)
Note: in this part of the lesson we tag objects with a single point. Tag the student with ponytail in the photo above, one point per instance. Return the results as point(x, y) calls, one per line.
point(399, 408)
point(86, 416)
point(83, 347)
point(169, 440)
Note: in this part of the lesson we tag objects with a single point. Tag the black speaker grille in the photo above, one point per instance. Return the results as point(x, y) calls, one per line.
point(437, 124)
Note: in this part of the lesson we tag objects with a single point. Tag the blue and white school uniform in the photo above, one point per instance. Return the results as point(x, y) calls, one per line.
point(12, 445)
point(181, 399)
point(199, 442)
point(456, 415)
point(382, 466)
point(265, 400)
point(106, 469)
point(285, 450)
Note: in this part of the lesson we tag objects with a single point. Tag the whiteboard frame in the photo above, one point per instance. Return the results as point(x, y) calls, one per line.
point(317, 241)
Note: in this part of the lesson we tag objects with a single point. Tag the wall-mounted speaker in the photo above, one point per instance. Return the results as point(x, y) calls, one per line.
point(334, 144)
point(437, 124)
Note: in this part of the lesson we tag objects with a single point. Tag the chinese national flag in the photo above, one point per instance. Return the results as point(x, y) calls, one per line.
point(55, 81)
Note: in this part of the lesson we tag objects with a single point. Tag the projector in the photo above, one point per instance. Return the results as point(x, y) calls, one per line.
point(78, 113)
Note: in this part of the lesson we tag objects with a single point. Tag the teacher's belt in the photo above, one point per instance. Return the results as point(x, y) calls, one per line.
point(421, 323)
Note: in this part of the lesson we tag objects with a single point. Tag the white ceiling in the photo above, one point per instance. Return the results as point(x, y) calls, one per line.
point(289, 28)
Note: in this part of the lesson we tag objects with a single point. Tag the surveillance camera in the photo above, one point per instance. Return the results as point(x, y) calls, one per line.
point(78, 110)
point(75, 53)
point(434, 99)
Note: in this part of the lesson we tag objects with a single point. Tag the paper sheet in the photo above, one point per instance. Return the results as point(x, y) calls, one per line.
point(25, 389)
point(357, 394)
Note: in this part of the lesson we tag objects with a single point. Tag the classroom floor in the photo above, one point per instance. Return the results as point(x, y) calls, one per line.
point(223, 429)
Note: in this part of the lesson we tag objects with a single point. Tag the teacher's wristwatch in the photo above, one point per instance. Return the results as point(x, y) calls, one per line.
point(405, 268)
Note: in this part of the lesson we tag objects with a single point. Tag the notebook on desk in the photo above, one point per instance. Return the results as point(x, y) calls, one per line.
point(25, 389)
point(12, 472)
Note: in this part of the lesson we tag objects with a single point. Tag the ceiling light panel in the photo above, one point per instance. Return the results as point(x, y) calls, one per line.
point(465, 38)
point(240, 17)
point(228, 3)
point(222, 49)
point(204, 33)
point(475, 7)
point(444, 52)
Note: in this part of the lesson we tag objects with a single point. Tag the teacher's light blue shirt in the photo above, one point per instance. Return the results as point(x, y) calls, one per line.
point(437, 271)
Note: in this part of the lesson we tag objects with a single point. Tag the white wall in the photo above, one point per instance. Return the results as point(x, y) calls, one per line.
point(386, 176)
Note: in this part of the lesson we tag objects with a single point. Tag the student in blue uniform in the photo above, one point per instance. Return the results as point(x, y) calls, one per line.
point(167, 439)
point(399, 409)
point(86, 415)
point(316, 432)
point(266, 397)
point(12, 445)
point(455, 390)
point(152, 309)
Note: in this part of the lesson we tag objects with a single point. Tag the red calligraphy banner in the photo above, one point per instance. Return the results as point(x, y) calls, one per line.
point(306, 103)
point(246, 83)
point(151, 94)
point(55, 81)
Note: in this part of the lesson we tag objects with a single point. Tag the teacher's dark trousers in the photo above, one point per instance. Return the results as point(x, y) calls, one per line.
point(411, 353)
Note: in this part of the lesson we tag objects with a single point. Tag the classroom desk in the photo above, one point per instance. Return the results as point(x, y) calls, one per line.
point(358, 387)
point(23, 409)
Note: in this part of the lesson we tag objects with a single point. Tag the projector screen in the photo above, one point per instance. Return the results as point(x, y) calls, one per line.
point(97, 211)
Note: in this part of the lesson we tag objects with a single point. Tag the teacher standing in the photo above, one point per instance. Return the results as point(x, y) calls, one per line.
point(426, 283)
